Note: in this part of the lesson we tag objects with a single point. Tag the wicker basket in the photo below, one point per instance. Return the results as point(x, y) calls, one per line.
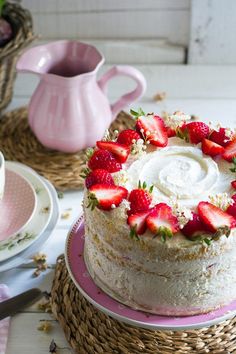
point(21, 22)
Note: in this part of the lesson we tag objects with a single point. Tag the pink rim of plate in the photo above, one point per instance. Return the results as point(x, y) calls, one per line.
point(17, 206)
point(81, 278)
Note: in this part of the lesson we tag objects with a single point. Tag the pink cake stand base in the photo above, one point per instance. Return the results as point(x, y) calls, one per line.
point(81, 278)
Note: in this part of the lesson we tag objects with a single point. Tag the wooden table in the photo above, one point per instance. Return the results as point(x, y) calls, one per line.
point(206, 91)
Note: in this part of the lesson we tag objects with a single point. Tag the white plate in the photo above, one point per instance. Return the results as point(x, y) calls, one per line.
point(40, 220)
point(25, 256)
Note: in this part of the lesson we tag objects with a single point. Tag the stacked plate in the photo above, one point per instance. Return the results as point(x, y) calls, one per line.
point(29, 212)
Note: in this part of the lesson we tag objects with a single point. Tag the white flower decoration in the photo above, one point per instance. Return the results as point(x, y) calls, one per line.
point(138, 148)
point(182, 213)
point(177, 119)
point(221, 200)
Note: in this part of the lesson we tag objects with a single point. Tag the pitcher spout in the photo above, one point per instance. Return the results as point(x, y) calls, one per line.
point(33, 60)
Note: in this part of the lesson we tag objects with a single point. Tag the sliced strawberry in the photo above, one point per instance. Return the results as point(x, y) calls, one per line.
point(99, 176)
point(214, 218)
point(153, 129)
point(220, 137)
point(128, 136)
point(211, 148)
point(162, 222)
point(233, 184)
point(140, 199)
point(193, 227)
point(105, 160)
point(105, 196)
point(193, 132)
point(230, 151)
point(137, 222)
point(120, 151)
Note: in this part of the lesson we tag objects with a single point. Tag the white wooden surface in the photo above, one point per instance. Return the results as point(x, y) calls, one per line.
point(207, 91)
point(160, 26)
point(213, 28)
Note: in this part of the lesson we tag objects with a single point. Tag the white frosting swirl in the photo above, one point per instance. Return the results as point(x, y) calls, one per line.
point(181, 171)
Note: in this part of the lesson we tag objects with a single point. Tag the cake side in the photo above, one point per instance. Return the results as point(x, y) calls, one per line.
point(160, 278)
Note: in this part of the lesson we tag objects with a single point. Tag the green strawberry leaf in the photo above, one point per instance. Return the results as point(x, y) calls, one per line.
point(133, 233)
point(137, 114)
point(233, 169)
point(92, 201)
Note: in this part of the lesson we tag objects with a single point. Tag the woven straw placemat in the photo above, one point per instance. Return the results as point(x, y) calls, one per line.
point(18, 143)
point(90, 331)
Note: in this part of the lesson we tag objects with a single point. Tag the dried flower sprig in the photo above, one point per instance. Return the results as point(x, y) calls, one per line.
point(40, 259)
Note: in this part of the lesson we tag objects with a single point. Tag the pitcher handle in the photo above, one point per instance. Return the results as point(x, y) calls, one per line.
point(129, 97)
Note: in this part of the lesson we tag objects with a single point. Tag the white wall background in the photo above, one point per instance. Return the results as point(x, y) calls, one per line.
point(143, 31)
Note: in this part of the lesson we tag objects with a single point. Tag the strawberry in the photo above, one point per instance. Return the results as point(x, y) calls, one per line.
point(193, 227)
point(98, 176)
point(153, 129)
point(105, 160)
point(140, 199)
point(215, 218)
point(233, 184)
point(230, 151)
point(105, 196)
point(162, 222)
point(220, 137)
point(193, 132)
point(211, 148)
point(128, 136)
point(120, 151)
point(137, 223)
point(170, 132)
point(232, 208)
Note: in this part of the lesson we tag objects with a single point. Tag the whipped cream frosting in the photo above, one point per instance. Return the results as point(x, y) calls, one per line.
point(180, 171)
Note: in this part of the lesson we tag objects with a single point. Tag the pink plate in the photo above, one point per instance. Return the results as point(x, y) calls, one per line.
point(80, 276)
point(17, 206)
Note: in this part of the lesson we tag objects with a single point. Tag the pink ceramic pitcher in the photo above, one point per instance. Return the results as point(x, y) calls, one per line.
point(69, 110)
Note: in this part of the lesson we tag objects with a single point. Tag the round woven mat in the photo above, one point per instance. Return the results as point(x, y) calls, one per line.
point(18, 143)
point(90, 331)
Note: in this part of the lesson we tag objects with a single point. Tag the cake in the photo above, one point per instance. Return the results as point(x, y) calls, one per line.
point(159, 209)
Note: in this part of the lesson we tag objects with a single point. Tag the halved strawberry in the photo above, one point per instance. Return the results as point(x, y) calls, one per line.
point(128, 136)
point(215, 218)
point(193, 227)
point(233, 184)
point(140, 199)
point(98, 176)
point(120, 151)
point(105, 160)
point(220, 137)
point(211, 148)
point(230, 151)
point(105, 196)
point(137, 222)
point(153, 129)
point(193, 132)
point(162, 222)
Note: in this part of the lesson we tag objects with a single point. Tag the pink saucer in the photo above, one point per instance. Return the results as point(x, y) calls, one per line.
point(17, 206)
point(80, 276)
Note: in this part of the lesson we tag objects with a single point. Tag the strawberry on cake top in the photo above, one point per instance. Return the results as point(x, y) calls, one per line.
point(160, 202)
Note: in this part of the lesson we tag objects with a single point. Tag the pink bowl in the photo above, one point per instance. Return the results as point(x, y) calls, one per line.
point(17, 206)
